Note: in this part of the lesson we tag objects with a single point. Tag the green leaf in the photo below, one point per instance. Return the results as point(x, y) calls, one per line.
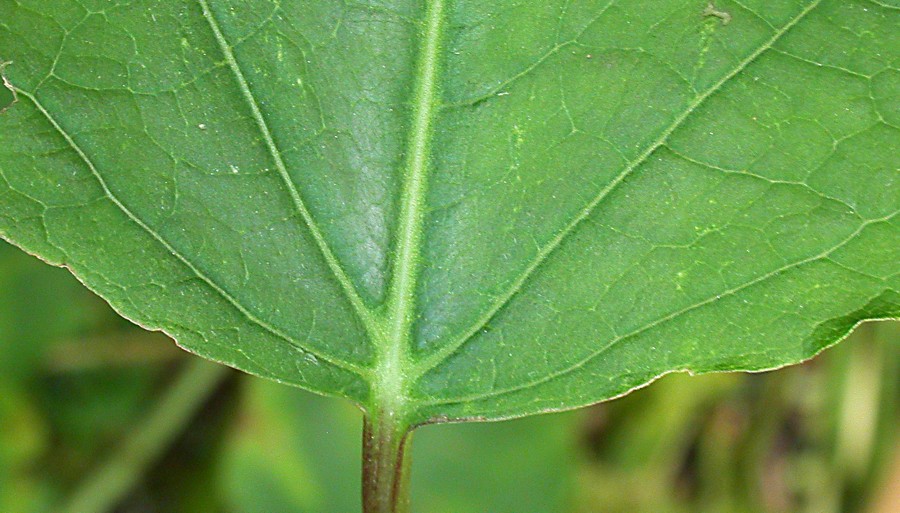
point(450, 209)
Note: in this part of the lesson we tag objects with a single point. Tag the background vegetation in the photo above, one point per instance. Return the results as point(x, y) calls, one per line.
point(79, 385)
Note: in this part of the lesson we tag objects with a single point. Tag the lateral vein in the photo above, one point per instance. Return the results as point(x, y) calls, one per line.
point(133, 217)
point(823, 255)
point(441, 355)
point(361, 310)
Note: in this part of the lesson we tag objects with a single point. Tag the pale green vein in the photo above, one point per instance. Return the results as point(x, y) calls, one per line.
point(744, 172)
point(445, 352)
point(365, 315)
point(668, 318)
point(885, 5)
point(556, 49)
point(401, 302)
point(511, 80)
point(826, 66)
point(360, 371)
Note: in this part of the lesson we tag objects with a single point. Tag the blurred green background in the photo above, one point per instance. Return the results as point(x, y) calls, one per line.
point(91, 405)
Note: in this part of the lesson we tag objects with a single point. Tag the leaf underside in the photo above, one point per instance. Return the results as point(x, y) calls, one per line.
point(464, 209)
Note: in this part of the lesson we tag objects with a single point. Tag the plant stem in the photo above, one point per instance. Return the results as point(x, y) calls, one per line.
point(107, 485)
point(385, 472)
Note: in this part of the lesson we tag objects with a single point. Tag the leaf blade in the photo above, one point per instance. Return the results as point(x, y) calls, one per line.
point(482, 211)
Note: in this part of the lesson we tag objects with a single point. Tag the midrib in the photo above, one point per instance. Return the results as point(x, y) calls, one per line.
point(390, 374)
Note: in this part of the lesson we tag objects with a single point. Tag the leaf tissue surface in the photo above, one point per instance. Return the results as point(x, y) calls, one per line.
point(464, 209)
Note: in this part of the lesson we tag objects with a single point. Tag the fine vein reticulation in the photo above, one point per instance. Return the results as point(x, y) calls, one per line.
point(439, 356)
point(674, 315)
point(184, 260)
point(397, 317)
point(346, 285)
